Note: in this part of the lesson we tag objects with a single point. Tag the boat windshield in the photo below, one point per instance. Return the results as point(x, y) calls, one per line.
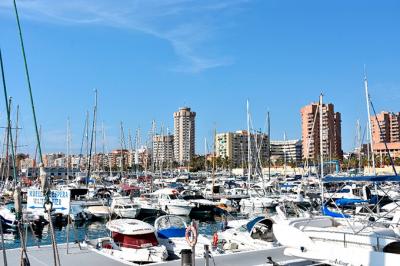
point(173, 196)
point(170, 221)
point(135, 241)
point(256, 193)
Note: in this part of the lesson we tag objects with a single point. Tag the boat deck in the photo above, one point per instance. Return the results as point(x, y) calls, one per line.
point(249, 258)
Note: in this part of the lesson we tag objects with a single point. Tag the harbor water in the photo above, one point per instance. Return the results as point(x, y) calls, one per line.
point(80, 232)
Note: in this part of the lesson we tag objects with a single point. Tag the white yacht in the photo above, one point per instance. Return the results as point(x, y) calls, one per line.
point(170, 202)
point(124, 207)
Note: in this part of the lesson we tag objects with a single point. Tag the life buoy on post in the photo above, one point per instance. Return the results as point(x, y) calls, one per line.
point(191, 235)
point(215, 240)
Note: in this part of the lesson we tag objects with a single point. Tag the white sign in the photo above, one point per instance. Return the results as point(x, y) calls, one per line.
point(60, 199)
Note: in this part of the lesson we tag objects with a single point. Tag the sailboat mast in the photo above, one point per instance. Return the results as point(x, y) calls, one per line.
point(16, 135)
point(121, 154)
point(321, 148)
point(248, 146)
point(8, 146)
point(91, 140)
point(214, 159)
point(87, 138)
point(205, 154)
point(269, 147)
point(284, 153)
point(153, 132)
point(95, 163)
point(359, 144)
point(369, 123)
point(68, 146)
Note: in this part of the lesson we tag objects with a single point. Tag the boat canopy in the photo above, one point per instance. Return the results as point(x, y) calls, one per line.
point(379, 178)
point(252, 223)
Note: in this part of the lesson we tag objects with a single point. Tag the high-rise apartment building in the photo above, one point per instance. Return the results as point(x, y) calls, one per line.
point(163, 148)
point(184, 135)
point(331, 131)
point(388, 131)
point(234, 146)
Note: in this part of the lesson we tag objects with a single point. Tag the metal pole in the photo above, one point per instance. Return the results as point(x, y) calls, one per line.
point(2, 244)
point(207, 254)
point(68, 222)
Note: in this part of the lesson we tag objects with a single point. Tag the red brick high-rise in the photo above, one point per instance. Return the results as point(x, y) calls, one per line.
point(389, 132)
point(332, 138)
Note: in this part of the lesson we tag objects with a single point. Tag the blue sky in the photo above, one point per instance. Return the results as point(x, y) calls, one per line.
point(147, 58)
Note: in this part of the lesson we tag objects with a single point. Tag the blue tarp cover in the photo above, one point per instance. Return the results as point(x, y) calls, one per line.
point(379, 178)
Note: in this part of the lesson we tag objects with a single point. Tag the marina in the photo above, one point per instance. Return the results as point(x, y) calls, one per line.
point(136, 194)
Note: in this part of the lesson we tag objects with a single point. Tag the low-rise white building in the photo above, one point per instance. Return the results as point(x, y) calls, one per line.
point(291, 150)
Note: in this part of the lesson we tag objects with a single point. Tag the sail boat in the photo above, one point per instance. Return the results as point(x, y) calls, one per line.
point(257, 202)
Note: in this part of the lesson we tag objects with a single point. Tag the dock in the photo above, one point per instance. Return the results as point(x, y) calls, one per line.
point(43, 256)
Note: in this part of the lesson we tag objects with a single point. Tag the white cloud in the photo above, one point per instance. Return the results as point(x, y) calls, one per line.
point(188, 26)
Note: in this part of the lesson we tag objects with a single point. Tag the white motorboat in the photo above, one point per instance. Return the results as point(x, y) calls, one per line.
point(7, 217)
point(245, 235)
point(124, 207)
point(98, 211)
point(131, 240)
point(170, 202)
point(258, 203)
point(148, 205)
point(170, 231)
point(202, 206)
point(338, 241)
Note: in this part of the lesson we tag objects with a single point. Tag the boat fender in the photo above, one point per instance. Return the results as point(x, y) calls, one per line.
point(215, 240)
point(191, 235)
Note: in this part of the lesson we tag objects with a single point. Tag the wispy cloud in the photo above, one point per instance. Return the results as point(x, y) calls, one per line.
point(189, 26)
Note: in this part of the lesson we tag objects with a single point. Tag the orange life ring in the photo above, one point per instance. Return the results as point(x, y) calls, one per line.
point(191, 235)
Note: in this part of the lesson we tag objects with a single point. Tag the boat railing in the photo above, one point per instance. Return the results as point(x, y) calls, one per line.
point(351, 239)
